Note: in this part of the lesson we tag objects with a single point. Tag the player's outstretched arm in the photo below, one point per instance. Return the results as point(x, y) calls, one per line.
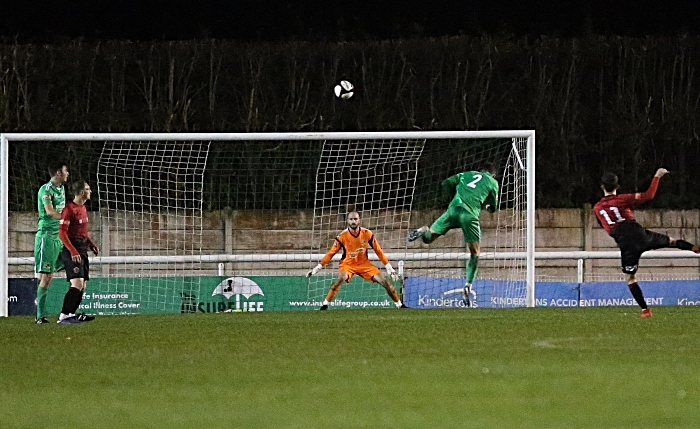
point(651, 192)
point(326, 258)
point(661, 172)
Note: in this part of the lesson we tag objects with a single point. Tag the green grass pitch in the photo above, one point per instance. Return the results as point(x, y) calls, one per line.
point(518, 368)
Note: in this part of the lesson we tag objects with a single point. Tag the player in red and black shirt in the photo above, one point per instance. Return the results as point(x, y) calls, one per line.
point(614, 213)
point(73, 232)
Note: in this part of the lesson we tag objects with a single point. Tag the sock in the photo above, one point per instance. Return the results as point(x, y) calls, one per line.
point(684, 245)
point(77, 304)
point(398, 304)
point(638, 295)
point(71, 301)
point(41, 293)
point(325, 302)
point(472, 268)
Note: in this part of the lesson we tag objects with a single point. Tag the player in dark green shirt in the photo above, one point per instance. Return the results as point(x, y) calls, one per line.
point(473, 191)
point(51, 199)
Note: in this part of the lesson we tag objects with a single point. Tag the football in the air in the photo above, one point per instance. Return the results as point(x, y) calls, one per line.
point(344, 89)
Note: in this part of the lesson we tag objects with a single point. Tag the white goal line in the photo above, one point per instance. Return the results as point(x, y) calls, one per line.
point(401, 256)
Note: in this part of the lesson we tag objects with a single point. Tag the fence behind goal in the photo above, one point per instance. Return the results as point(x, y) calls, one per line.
point(215, 222)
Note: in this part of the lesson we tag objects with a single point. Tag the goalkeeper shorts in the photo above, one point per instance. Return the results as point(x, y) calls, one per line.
point(366, 271)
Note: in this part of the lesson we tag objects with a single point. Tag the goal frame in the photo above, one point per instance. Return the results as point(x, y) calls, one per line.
point(7, 138)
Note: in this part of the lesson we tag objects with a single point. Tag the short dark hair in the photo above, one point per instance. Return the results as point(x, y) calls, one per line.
point(56, 166)
point(77, 187)
point(489, 167)
point(609, 182)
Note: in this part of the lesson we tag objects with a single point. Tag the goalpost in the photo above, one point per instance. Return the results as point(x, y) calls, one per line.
point(247, 208)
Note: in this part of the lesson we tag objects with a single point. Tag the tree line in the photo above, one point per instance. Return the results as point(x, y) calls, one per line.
point(598, 103)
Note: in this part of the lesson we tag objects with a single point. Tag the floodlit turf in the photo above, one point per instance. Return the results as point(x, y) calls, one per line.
point(521, 368)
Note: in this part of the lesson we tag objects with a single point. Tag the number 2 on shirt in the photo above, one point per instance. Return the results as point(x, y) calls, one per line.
point(473, 183)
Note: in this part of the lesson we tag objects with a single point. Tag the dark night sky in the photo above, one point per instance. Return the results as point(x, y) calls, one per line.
point(47, 21)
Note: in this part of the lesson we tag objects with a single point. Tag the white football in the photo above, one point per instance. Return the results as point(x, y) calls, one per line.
point(344, 89)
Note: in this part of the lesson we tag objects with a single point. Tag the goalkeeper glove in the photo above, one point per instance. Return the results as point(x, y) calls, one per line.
point(392, 273)
point(316, 269)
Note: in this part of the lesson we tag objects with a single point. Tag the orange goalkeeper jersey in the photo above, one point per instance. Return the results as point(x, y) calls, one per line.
point(355, 248)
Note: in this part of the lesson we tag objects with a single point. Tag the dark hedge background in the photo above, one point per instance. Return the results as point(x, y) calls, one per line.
point(597, 103)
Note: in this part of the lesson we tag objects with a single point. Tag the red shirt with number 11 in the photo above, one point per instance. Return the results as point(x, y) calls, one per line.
point(614, 209)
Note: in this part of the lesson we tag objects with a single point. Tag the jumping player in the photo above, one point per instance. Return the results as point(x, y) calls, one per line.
point(355, 242)
point(614, 213)
point(473, 191)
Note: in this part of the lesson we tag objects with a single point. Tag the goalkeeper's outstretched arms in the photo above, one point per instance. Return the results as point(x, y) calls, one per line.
point(326, 259)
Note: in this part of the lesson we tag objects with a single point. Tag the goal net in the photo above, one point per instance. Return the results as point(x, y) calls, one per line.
point(376, 178)
point(151, 197)
point(395, 184)
point(232, 222)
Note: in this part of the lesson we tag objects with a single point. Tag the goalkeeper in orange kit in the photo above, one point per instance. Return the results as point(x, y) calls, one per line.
point(355, 242)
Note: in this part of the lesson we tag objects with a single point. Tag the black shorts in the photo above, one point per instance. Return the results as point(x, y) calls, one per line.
point(633, 240)
point(73, 270)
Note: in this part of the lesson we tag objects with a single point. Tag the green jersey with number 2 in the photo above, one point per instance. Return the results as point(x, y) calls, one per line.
point(474, 190)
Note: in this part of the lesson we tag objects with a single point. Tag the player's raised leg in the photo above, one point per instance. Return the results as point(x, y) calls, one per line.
point(656, 241)
point(684, 245)
point(427, 235)
point(417, 233)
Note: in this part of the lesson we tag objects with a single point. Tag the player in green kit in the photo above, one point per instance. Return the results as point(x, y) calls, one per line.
point(47, 245)
point(473, 191)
